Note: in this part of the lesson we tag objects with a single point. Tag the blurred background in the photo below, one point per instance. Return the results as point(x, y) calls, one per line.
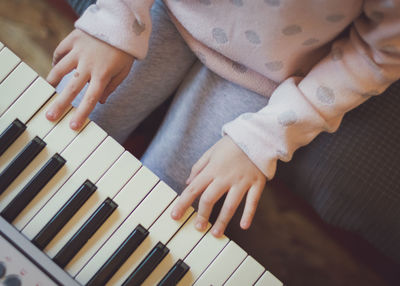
point(302, 249)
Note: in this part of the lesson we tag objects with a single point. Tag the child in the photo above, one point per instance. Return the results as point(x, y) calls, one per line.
point(270, 74)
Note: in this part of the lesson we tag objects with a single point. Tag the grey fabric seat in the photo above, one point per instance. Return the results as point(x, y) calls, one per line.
point(352, 177)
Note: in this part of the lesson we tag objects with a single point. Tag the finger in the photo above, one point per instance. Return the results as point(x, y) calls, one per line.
point(63, 48)
point(65, 66)
point(114, 83)
point(63, 101)
point(189, 194)
point(207, 201)
point(199, 166)
point(88, 103)
point(252, 199)
point(231, 203)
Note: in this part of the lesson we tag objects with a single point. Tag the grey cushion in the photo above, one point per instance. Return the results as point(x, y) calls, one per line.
point(352, 177)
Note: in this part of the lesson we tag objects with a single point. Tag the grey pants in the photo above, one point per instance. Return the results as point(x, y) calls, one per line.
point(351, 177)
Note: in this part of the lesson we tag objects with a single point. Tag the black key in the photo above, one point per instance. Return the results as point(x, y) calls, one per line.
point(130, 244)
point(27, 194)
point(85, 232)
point(11, 134)
point(148, 264)
point(175, 274)
point(66, 212)
point(20, 162)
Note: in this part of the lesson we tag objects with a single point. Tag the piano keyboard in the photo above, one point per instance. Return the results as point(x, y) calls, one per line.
point(77, 209)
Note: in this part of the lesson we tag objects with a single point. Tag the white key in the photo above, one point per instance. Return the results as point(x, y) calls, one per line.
point(108, 186)
point(36, 126)
point(201, 256)
point(13, 86)
point(179, 247)
point(127, 200)
point(161, 231)
point(75, 154)
point(56, 141)
point(268, 280)
point(28, 103)
point(247, 273)
point(1, 45)
point(8, 62)
point(223, 266)
point(92, 169)
point(145, 214)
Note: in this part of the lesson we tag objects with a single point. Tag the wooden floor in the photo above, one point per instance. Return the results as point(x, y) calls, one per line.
point(302, 249)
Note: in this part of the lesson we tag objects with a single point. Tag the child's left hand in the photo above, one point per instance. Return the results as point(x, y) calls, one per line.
point(224, 168)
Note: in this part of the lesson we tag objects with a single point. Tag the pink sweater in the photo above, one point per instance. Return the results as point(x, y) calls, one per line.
point(320, 58)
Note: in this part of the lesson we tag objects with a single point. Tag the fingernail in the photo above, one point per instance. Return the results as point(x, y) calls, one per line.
point(50, 115)
point(175, 214)
point(200, 225)
point(216, 232)
point(74, 125)
point(244, 224)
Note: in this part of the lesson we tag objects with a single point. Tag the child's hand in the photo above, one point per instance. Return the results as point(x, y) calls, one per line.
point(224, 168)
point(96, 62)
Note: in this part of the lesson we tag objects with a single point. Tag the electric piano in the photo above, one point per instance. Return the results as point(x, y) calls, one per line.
point(77, 209)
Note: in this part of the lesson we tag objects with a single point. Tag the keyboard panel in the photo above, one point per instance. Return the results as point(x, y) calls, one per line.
point(93, 168)
point(57, 140)
point(108, 186)
point(38, 125)
point(101, 204)
point(180, 245)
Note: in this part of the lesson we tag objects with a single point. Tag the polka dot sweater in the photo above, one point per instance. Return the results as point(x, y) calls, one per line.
point(315, 59)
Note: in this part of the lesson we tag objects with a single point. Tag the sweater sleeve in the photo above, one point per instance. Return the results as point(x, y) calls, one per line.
point(124, 24)
point(361, 64)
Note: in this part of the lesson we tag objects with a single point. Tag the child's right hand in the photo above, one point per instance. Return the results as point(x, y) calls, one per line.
point(96, 62)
